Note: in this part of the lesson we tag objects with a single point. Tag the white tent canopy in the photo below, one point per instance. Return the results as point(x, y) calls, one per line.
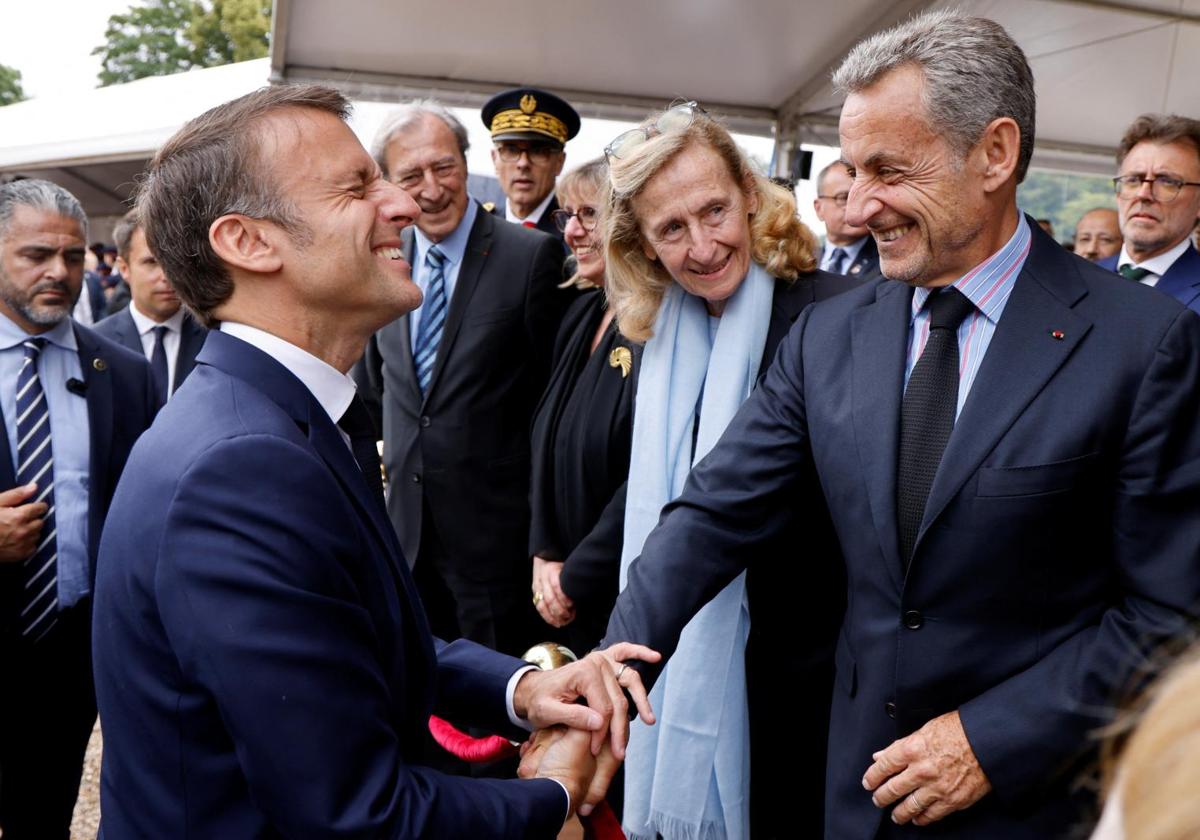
point(763, 63)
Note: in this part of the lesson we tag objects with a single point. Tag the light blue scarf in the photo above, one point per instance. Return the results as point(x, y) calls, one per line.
point(687, 777)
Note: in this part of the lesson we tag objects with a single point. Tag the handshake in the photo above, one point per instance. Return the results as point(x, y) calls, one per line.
point(581, 746)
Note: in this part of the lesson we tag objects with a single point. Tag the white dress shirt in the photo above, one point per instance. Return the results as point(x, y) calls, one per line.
point(533, 218)
point(852, 250)
point(1157, 266)
point(145, 327)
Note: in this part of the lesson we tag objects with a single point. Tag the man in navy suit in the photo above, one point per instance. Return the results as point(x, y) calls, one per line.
point(155, 323)
point(1158, 198)
point(256, 624)
point(72, 403)
point(1008, 443)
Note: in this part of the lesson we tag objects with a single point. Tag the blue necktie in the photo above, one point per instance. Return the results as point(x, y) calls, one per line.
point(158, 365)
point(837, 261)
point(433, 316)
point(35, 462)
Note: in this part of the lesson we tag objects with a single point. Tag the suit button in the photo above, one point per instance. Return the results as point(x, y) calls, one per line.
point(416, 477)
point(913, 620)
point(890, 708)
point(426, 422)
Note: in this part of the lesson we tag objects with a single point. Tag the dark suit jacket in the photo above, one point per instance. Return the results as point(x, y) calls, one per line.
point(1060, 538)
point(121, 403)
point(255, 621)
point(464, 446)
point(122, 329)
point(545, 224)
point(1181, 281)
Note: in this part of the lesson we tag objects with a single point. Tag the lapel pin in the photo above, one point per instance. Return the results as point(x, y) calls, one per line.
point(621, 358)
point(1058, 335)
point(99, 364)
point(854, 269)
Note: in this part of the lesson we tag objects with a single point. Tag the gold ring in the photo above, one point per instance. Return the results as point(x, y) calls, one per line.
point(916, 802)
point(537, 598)
point(621, 670)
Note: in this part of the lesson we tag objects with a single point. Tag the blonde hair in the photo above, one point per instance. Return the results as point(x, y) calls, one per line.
point(1157, 772)
point(635, 284)
point(587, 179)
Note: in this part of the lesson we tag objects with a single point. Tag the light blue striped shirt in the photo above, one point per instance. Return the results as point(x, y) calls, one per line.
point(988, 286)
point(454, 247)
point(70, 442)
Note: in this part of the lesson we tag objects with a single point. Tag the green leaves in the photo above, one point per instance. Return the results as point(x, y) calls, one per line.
point(10, 85)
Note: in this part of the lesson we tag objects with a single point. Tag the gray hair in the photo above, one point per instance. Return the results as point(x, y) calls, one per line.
point(40, 195)
point(408, 115)
point(974, 73)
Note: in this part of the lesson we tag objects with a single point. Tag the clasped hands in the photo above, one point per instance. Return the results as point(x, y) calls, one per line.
point(577, 745)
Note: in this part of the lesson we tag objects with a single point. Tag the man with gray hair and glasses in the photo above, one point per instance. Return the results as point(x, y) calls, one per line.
point(1009, 446)
point(73, 403)
point(1158, 198)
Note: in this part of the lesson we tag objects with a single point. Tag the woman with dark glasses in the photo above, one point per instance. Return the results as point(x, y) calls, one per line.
point(709, 265)
point(581, 434)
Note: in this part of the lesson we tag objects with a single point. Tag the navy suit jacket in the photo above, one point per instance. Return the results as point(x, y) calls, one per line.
point(121, 403)
point(263, 664)
point(1181, 281)
point(121, 328)
point(1061, 538)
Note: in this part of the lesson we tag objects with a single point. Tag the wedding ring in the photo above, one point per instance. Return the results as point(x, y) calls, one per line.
point(916, 802)
point(537, 598)
point(621, 670)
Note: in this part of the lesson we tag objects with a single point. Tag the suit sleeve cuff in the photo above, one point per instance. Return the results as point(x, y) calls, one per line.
point(509, 692)
point(567, 814)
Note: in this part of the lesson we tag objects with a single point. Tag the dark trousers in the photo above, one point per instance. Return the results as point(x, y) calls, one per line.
point(47, 710)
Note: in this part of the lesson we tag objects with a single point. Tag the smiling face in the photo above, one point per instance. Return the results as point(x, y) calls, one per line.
point(695, 218)
point(584, 244)
point(148, 286)
point(349, 267)
point(1151, 226)
point(41, 268)
point(424, 159)
point(925, 205)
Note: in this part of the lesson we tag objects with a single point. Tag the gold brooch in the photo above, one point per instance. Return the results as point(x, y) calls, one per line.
point(621, 358)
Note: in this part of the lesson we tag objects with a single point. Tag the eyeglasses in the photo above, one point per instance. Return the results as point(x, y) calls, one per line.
point(538, 152)
point(677, 117)
point(1163, 188)
point(840, 199)
point(588, 218)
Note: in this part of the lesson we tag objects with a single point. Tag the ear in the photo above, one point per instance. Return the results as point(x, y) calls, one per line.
point(650, 253)
point(562, 159)
point(245, 243)
point(752, 201)
point(999, 149)
point(122, 266)
point(495, 158)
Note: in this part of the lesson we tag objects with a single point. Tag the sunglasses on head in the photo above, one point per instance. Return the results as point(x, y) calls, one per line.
point(676, 118)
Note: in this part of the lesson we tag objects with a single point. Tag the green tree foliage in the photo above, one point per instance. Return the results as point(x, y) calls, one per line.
point(10, 85)
point(1063, 198)
point(161, 37)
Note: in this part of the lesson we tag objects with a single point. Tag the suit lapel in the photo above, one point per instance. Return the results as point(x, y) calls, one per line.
point(1182, 279)
point(95, 366)
point(1021, 359)
point(127, 332)
point(879, 342)
point(191, 339)
point(403, 325)
point(474, 257)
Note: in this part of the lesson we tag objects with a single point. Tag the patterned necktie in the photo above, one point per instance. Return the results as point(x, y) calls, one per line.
point(433, 316)
point(927, 414)
point(1132, 272)
point(158, 365)
point(35, 462)
point(356, 422)
point(837, 261)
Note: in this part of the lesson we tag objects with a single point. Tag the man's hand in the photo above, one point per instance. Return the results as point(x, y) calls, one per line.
point(20, 523)
point(562, 754)
point(934, 770)
point(546, 698)
point(555, 608)
point(535, 749)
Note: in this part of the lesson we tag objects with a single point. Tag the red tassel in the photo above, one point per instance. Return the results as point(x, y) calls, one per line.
point(469, 749)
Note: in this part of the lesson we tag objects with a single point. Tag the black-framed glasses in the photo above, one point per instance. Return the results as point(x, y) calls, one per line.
point(588, 218)
point(840, 199)
point(538, 152)
point(1163, 188)
point(677, 117)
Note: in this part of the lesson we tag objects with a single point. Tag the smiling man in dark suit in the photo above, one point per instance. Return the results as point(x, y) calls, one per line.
point(459, 379)
point(155, 322)
point(73, 403)
point(1009, 445)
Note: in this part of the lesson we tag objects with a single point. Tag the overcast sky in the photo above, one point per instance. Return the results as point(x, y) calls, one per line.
point(50, 41)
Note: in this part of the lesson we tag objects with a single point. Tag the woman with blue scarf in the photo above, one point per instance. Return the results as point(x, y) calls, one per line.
point(709, 265)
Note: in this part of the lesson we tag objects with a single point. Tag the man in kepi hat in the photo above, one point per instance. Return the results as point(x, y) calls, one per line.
point(529, 129)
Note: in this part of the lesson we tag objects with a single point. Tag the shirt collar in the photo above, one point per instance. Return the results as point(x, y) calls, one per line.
point(535, 216)
point(989, 284)
point(1157, 265)
point(330, 387)
point(61, 334)
point(852, 250)
point(454, 245)
point(144, 323)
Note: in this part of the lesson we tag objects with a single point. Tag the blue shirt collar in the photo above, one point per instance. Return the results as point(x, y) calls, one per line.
point(61, 334)
point(454, 245)
point(989, 284)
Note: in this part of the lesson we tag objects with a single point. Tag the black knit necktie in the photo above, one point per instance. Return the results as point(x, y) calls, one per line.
point(927, 415)
point(356, 422)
